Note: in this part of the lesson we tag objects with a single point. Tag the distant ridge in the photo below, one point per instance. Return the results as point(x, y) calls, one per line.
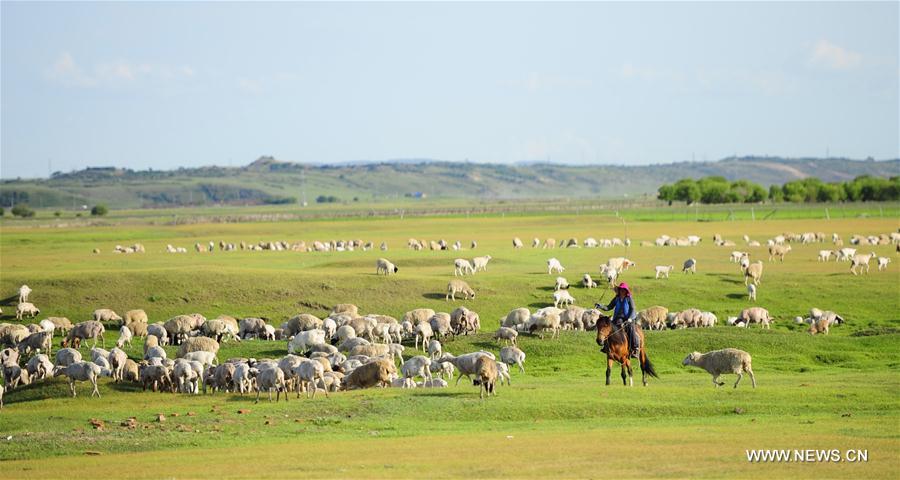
point(269, 180)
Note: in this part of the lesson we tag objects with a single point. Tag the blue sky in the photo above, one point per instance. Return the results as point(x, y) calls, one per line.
point(164, 85)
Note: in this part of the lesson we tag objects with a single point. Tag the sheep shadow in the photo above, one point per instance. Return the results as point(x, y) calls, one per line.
point(540, 304)
point(435, 296)
point(434, 392)
point(547, 289)
point(736, 296)
point(727, 278)
point(10, 301)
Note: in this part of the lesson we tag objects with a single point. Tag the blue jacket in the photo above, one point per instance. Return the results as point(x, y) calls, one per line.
point(622, 308)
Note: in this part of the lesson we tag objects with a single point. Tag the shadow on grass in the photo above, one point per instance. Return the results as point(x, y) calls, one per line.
point(736, 296)
point(435, 296)
point(540, 304)
point(10, 301)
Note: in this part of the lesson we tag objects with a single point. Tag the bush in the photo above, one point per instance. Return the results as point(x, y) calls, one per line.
point(22, 210)
point(327, 199)
point(99, 210)
point(2, 211)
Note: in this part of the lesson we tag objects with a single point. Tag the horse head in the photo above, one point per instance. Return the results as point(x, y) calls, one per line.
point(604, 329)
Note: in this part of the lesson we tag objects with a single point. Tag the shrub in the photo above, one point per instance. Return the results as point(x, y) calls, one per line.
point(22, 210)
point(99, 210)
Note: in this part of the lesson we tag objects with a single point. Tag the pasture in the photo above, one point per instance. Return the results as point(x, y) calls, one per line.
point(558, 419)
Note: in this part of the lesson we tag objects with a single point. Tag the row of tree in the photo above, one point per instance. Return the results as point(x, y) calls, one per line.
point(719, 190)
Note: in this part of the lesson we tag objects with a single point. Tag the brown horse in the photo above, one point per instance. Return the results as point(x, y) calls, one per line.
point(614, 341)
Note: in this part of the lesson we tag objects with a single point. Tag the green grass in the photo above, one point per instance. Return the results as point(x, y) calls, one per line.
point(835, 391)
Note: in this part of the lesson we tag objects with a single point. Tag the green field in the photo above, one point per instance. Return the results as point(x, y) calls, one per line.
point(557, 420)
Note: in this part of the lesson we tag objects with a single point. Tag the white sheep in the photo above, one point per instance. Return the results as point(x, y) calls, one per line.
point(308, 373)
point(517, 243)
point(462, 267)
point(825, 255)
point(39, 367)
point(562, 297)
point(203, 357)
point(506, 333)
point(26, 308)
point(718, 362)
point(751, 292)
point(458, 286)
point(883, 263)
point(480, 263)
point(588, 282)
point(435, 349)
point(553, 264)
point(382, 265)
point(424, 333)
point(513, 356)
point(24, 292)
point(67, 356)
point(125, 337)
point(465, 363)
point(858, 261)
point(302, 341)
point(503, 373)
point(690, 265)
point(561, 283)
point(271, 379)
point(80, 372)
point(117, 360)
point(663, 270)
point(417, 366)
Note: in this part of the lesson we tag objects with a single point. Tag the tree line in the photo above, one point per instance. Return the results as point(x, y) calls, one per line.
point(715, 189)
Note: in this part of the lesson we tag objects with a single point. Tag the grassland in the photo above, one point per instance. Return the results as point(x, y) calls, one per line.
point(840, 391)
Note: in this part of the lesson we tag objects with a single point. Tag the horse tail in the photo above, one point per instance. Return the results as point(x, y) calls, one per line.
point(646, 366)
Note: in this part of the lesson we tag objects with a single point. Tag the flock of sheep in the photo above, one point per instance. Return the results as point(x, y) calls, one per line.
point(347, 350)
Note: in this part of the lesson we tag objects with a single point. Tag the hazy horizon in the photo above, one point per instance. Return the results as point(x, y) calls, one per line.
point(163, 85)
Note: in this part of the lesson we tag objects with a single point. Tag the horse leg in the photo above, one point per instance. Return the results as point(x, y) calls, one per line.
point(609, 364)
point(630, 374)
point(624, 375)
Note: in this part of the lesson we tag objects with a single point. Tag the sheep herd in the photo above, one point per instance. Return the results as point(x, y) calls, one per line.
point(348, 350)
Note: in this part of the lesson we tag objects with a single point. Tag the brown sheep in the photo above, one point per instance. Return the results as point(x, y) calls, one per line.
point(753, 272)
point(486, 373)
point(653, 318)
point(84, 330)
point(301, 323)
point(133, 316)
point(198, 344)
point(778, 251)
point(370, 374)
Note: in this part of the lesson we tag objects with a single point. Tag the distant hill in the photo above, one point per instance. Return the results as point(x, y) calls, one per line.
point(267, 180)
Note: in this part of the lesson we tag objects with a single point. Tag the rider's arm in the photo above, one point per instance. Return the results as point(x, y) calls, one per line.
point(611, 305)
point(633, 309)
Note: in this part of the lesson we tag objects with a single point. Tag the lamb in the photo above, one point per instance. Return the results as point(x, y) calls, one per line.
point(587, 281)
point(308, 373)
point(708, 320)
point(480, 263)
point(561, 283)
point(106, 315)
point(516, 317)
point(187, 375)
point(458, 286)
point(486, 372)
point(513, 356)
point(24, 292)
point(302, 341)
point(690, 265)
point(417, 366)
point(382, 265)
point(435, 349)
point(26, 308)
point(198, 344)
point(462, 266)
point(663, 270)
point(825, 255)
point(271, 379)
point(718, 362)
point(39, 367)
point(506, 333)
point(754, 272)
point(653, 318)
point(378, 372)
point(883, 263)
point(117, 360)
point(562, 297)
point(778, 251)
point(553, 264)
point(860, 260)
point(517, 242)
point(756, 315)
point(751, 292)
point(821, 321)
point(125, 337)
point(67, 356)
point(80, 372)
point(84, 330)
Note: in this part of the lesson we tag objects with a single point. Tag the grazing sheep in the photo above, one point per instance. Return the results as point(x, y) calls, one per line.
point(513, 356)
point(587, 281)
point(756, 315)
point(823, 321)
point(465, 364)
point(883, 263)
point(458, 286)
point(506, 333)
point(549, 243)
point(562, 297)
point(80, 372)
point(718, 362)
point(825, 255)
point(271, 379)
point(690, 265)
point(463, 321)
point(653, 318)
point(106, 315)
point(305, 321)
point(303, 341)
point(417, 366)
point(383, 266)
point(67, 356)
point(84, 330)
point(418, 315)
point(117, 361)
point(441, 325)
point(515, 318)
point(561, 283)
point(62, 324)
point(308, 374)
point(198, 344)
point(480, 263)
point(38, 341)
point(553, 264)
point(13, 375)
point(155, 352)
point(708, 320)
point(435, 349)
point(133, 316)
point(754, 272)
point(125, 337)
point(376, 373)
point(778, 251)
point(251, 327)
point(663, 270)
point(751, 292)
point(24, 292)
point(486, 373)
point(543, 320)
point(26, 308)
point(178, 328)
point(187, 376)
point(517, 242)
point(858, 261)
point(462, 266)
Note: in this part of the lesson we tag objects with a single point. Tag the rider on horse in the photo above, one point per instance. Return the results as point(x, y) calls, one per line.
point(624, 314)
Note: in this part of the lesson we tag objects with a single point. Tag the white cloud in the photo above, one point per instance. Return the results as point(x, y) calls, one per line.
point(67, 71)
point(534, 82)
point(828, 55)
